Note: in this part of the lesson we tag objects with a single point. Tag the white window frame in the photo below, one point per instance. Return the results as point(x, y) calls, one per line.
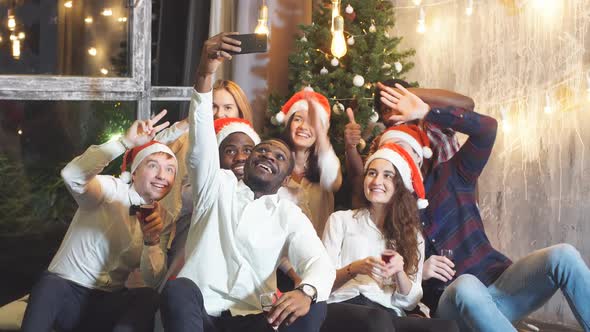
point(138, 87)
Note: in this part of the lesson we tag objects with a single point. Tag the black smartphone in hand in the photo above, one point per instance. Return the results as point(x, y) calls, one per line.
point(251, 43)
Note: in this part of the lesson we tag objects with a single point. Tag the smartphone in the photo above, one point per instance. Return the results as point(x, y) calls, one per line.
point(251, 43)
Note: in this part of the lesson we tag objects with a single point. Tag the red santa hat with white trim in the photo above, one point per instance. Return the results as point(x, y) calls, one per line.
point(405, 166)
point(412, 135)
point(227, 126)
point(135, 156)
point(298, 102)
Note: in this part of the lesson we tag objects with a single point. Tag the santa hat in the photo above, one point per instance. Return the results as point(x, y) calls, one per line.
point(227, 126)
point(136, 155)
point(412, 135)
point(405, 166)
point(298, 102)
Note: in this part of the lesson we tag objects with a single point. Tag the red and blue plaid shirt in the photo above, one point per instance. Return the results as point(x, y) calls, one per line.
point(452, 219)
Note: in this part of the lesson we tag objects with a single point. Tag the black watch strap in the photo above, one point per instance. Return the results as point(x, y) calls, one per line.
point(314, 291)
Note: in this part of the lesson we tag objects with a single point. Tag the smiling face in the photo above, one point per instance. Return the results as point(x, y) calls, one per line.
point(301, 133)
point(234, 151)
point(267, 167)
point(379, 182)
point(154, 176)
point(224, 105)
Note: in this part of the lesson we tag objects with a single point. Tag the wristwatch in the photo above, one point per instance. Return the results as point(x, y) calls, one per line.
point(308, 290)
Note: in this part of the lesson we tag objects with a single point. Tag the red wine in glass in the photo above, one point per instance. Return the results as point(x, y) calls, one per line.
point(387, 255)
point(145, 210)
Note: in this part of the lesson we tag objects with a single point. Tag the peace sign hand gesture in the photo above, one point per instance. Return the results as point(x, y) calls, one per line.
point(143, 131)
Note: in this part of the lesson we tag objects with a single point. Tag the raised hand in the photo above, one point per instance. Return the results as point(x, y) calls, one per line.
point(216, 50)
point(352, 130)
point(438, 267)
point(409, 106)
point(143, 131)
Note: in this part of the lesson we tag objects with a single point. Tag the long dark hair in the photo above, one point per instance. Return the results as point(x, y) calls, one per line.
point(312, 172)
point(402, 225)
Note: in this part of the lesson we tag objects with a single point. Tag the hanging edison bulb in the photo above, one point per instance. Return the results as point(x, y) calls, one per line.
point(11, 20)
point(548, 109)
point(16, 48)
point(262, 26)
point(469, 8)
point(338, 43)
point(421, 22)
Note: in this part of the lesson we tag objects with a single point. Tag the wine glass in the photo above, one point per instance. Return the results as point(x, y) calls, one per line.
point(386, 256)
point(448, 253)
point(267, 301)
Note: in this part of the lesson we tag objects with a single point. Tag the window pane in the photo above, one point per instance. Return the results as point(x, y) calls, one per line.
point(37, 139)
point(65, 37)
point(177, 110)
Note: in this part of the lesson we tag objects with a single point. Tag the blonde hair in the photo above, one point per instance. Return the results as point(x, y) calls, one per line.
point(239, 96)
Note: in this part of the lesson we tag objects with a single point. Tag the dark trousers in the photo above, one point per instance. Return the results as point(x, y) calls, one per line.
point(183, 310)
point(362, 314)
point(57, 303)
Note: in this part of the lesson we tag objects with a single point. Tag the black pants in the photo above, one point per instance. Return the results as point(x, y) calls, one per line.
point(57, 303)
point(362, 314)
point(183, 310)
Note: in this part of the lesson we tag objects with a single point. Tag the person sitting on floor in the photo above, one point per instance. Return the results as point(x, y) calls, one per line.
point(239, 232)
point(83, 288)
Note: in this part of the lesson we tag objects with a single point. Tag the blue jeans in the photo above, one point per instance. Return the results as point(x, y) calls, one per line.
point(523, 288)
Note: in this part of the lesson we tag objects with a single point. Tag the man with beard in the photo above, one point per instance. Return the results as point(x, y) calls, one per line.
point(239, 232)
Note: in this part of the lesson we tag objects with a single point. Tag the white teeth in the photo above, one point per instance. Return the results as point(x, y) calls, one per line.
point(266, 168)
point(303, 135)
point(239, 168)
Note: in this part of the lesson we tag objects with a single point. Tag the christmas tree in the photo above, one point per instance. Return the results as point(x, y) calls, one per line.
point(349, 81)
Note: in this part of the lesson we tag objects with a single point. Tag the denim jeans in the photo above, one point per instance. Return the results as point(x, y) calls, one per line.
point(524, 287)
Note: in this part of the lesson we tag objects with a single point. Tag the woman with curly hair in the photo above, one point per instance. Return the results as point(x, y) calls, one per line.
point(387, 228)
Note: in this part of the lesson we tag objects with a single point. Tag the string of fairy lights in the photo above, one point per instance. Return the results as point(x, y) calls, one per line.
point(17, 35)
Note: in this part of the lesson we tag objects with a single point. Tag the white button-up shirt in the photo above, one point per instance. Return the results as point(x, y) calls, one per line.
point(235, 241)
point(352, 235)
point(103, 244)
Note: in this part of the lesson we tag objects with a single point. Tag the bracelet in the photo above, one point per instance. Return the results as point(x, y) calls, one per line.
point(348, 272)
point(152, 243)
point(123, 143)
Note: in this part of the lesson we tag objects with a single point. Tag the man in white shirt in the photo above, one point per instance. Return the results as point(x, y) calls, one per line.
point(84, 287)
point(239, 232)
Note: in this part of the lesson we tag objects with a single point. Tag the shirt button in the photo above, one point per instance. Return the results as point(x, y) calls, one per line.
point(423, 224)
point(433, 240)
point(437, 111)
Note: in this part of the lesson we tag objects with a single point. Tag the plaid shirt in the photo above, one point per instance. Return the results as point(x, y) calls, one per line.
point(452, 219)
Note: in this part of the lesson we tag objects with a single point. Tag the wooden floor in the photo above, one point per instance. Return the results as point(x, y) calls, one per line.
point(545, 327)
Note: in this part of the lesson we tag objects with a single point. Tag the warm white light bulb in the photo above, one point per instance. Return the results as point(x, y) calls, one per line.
point(261, 28)
point(92, 51)
point(11, 22)
point(21, 35)
point(20, 132)
point(107, 12)
point(338, 47)
point(88, 20)
point(104, 71)
point(548, 108)
point(469, 8)
point(68, 4)
point(122, 19)
point(421, 22)
point(417, 2)
point(16, 49)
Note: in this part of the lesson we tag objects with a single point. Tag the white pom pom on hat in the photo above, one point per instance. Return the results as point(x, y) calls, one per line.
point(298, 102)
